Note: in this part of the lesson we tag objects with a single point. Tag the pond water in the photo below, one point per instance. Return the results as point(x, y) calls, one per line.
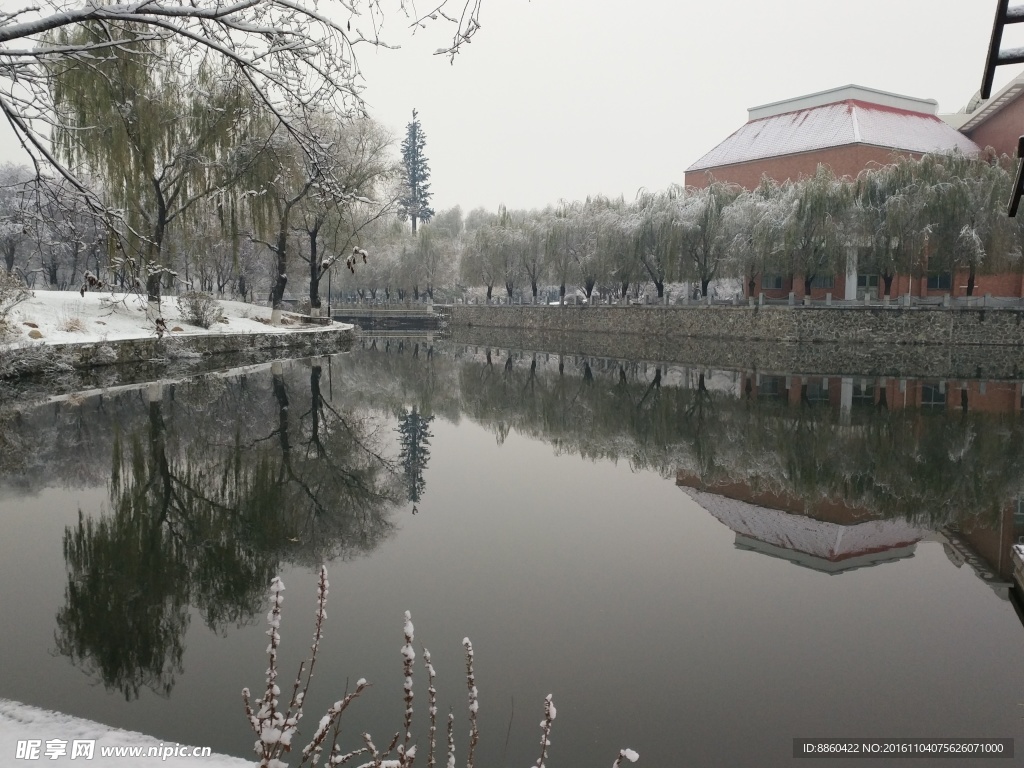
point(699, 565)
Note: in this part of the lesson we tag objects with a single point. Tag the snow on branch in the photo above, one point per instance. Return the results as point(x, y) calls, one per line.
point(276, 726)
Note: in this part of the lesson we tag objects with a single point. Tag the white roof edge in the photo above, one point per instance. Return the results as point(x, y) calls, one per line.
point(844, 93)
point(969, 118)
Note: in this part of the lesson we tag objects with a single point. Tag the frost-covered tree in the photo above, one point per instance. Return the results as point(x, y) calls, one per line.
point(16, 213)
point(816, 227)
point(414, 202)
point(705, 238)
point(358, 168)
point(754, 224)
point(967, 228)
point(658, 232)
point(890, 218)
point(289, 52)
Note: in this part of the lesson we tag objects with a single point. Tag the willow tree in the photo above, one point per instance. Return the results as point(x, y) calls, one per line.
point(754, 223)
point(657, 235)
point(706, 243)
point(890, 215)
point(156, 123)
point(967, 227)
point(815, 227)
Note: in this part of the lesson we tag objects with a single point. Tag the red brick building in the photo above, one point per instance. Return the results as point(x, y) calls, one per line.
point(848, 129)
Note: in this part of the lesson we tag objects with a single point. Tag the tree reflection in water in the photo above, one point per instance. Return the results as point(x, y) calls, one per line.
point(214, 484)
point(206, 505)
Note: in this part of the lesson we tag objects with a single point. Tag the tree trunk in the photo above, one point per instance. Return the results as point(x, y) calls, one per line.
point(489, 289)
point(277, 293)
point(970, 281)
point(413, 217)
point(704, 283)
point(509, 287)
point(808, 279)
point(659, 285)
point(314, 269)
point(887, 280)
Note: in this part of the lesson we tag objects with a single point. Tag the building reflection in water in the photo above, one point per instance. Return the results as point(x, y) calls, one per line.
point(834, 536)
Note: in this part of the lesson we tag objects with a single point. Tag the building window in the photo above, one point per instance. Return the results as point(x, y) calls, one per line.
point(933, 395)
point(941, 281)
point(817, 391)
point(771, 282)
point(771, 388)
point(867, 281)
point(863, 393)
point(821, 281)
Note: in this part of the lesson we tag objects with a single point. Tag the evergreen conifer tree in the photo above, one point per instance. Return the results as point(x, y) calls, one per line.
point(414, 437)
point(415, 200)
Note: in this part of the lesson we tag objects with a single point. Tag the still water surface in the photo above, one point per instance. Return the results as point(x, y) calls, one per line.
point(832, 562)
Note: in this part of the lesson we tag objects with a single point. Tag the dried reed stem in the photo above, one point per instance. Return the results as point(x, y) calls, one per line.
point(474, 703)
point(431, 710)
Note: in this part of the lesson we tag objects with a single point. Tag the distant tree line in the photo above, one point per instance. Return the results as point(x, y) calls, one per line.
point(940, 213)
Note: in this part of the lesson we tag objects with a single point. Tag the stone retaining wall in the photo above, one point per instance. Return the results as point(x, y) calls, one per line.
point(924, 360)
point(40, 358)
point(847, 325)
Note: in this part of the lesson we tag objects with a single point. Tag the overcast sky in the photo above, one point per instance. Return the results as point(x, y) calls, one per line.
point(564, 98)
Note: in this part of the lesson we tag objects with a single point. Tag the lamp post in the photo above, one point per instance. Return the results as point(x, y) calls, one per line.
point(329, 317)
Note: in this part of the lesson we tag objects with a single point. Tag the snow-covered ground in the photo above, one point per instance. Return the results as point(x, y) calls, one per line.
point(65, 317)
point(29, 735)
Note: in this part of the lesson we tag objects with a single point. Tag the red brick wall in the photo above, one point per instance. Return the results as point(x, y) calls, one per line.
point(848, 160)
point(1002, 130)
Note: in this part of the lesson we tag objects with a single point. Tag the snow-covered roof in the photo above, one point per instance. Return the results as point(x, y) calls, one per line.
point(834, 124)
point(804, 540)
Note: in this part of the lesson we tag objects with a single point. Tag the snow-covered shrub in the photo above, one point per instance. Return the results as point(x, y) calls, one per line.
point(276, 726)
point(12, 293)
point(198, 308)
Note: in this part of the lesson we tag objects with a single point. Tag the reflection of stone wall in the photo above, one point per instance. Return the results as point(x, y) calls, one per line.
point(639, 333)
point(39, 358)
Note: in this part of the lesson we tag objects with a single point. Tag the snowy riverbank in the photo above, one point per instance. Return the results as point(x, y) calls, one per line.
point(56, 332)
point(29, 734)
point(65, 317)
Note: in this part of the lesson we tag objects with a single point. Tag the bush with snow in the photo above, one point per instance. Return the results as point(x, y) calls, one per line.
point(276, 723)
point(199, 308)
